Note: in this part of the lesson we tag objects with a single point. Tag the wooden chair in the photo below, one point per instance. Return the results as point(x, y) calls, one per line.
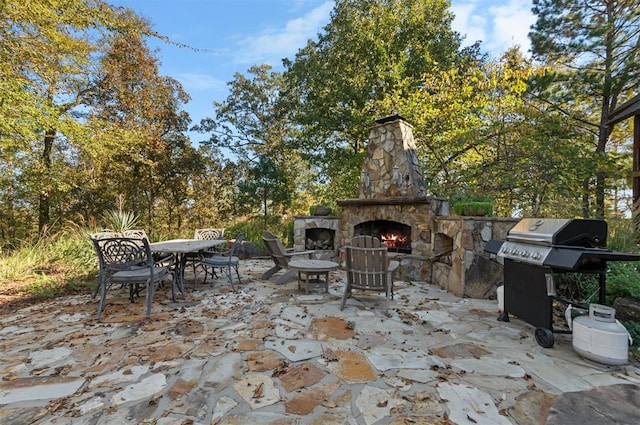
point(280, 257)
point(128, 261)
point(368, 268)
point(365, 241)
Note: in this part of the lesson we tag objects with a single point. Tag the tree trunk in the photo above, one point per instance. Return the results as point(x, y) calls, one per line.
point(604, 131)
point(600, 183)
point(585, 199)
point(45, 182)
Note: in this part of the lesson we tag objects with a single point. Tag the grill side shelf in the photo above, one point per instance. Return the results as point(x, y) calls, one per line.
point(585, 259)
point(493, 246)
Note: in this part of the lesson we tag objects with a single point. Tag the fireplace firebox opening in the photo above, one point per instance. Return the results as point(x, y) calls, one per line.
point(397, 236)
point(319, 239)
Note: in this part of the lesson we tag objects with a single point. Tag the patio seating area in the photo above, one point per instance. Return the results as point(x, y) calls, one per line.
point(272, 354)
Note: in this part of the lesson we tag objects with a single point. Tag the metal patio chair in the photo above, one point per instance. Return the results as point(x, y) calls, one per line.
point(225, 261)
point(128, 261)
point(194, 258)
point(105, 234)
point(159, 258)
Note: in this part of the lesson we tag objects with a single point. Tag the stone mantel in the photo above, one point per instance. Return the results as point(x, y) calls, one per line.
point(389, 200)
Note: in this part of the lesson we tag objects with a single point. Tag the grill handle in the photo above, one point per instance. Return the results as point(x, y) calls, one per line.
point(537, 241)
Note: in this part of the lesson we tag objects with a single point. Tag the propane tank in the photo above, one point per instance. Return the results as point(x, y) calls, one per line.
point(599, 337)
point(500, 292)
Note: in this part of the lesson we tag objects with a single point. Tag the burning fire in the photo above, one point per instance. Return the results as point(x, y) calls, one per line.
point(393, 240)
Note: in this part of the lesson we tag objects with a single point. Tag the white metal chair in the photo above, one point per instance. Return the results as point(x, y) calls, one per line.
point(208, 233)
point(135, 233)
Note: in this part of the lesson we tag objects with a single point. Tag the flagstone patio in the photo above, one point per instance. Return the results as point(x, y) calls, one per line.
point(269, 354)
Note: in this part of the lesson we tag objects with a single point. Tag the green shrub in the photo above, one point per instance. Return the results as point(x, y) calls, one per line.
point(621, 235)
point(473, 208)
point(471, 204)
point(623, 280)
point(253, 227)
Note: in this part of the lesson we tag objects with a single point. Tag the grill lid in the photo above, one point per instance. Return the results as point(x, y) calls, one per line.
point(560, 231)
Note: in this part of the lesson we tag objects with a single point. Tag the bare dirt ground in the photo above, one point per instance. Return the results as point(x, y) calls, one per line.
point(15, 295)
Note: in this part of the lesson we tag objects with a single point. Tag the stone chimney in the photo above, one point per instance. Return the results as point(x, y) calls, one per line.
point(391, 168)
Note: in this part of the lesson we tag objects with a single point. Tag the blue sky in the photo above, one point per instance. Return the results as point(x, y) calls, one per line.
point(236, 34)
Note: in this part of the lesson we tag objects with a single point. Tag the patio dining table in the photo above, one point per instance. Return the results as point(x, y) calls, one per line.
point(179, 248)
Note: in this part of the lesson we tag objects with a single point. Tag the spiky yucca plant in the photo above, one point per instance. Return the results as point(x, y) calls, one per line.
point(119, 220)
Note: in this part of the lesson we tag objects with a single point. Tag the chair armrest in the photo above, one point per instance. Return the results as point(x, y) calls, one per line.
point(393, 266)
point(297, 253)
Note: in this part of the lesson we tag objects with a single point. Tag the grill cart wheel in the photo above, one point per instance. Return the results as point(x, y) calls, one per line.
point(544, 337)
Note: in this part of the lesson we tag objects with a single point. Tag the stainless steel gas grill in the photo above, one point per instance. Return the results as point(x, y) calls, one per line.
point(535, 250)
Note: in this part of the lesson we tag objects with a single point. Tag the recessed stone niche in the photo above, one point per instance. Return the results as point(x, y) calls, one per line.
point(316, 233)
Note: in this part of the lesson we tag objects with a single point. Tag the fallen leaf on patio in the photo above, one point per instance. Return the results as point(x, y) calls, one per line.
point(280, 369)
point(397, 409)
point(257, 393)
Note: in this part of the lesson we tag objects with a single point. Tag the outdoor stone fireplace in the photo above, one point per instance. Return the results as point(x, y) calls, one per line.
point(393, 205)
point(316, 233)
point(392, 202)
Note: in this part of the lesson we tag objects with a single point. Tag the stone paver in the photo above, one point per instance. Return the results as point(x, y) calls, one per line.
point(269, 354)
